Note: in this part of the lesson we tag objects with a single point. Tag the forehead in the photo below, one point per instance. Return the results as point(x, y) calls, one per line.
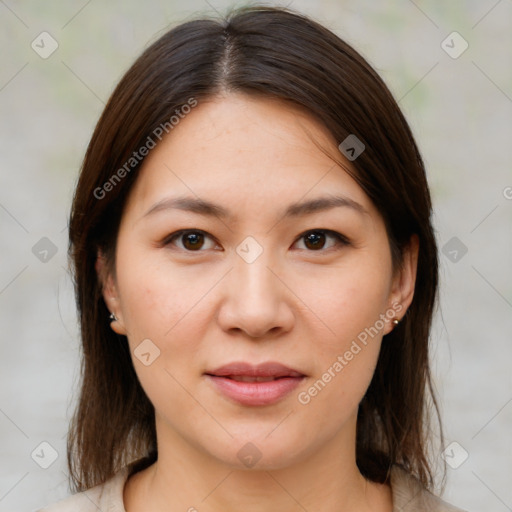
point(243, 150)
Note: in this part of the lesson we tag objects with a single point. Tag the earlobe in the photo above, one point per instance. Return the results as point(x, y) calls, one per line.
point(117, 326)
point(110, 294)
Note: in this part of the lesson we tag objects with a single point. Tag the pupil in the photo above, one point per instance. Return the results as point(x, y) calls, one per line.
point(192, 239)
point(316, 239)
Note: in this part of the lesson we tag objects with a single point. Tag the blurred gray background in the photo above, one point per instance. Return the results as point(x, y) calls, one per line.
point(458, 101)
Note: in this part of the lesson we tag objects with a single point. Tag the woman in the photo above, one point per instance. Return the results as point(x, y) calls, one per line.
point(256, 273)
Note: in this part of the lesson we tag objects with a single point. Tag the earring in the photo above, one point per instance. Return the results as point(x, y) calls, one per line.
point(396, 321)
point(113, 317)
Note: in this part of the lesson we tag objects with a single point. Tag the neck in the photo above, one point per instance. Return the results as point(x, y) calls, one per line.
point(186, 478)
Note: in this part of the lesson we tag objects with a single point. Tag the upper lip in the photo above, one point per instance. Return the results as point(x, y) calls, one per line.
point(241, 368)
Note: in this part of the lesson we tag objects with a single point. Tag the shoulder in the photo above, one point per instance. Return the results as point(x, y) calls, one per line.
point(409, 495)
point(107, 497)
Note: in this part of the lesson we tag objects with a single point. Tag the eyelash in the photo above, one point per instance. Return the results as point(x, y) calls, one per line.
point(341, 240)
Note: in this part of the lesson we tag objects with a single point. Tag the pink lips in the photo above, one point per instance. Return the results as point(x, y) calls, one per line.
point(263, 384)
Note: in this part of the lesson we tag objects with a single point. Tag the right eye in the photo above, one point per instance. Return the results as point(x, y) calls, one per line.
point(192, 240)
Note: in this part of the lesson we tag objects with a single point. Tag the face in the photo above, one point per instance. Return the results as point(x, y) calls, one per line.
point(253, 280)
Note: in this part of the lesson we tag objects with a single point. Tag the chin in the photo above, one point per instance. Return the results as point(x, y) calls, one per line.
point(260, 454)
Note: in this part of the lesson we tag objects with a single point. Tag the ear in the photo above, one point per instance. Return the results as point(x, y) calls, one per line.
point(404, 280)
point(110, 293)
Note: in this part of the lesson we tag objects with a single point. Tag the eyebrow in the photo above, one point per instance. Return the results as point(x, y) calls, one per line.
point(207, 208)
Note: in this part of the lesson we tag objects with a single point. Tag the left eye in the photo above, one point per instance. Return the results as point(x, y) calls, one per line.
point(315, 239)
point(193, 240)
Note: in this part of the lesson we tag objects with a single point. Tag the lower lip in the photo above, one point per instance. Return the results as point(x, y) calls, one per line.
point(255, 393)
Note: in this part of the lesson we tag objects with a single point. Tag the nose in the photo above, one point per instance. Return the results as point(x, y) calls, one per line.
point(255, 300)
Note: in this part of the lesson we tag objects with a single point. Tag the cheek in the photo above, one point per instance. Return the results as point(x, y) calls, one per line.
point(349, 301)
point(157, 298)
point(333, 396)
point(168, 305)
point(350, 305)
point(344, 362)
point(161, 304)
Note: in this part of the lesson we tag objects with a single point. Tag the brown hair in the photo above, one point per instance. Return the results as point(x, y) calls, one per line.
point(275, 53)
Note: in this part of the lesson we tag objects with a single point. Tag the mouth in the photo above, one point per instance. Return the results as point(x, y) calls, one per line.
point(247, 378)
point(241, 369)
point(251, 385)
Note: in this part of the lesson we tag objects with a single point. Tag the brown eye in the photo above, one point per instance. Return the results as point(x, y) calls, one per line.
point(315, 240)
point(191, 240)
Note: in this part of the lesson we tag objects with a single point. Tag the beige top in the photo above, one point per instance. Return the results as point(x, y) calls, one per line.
point(408, 496)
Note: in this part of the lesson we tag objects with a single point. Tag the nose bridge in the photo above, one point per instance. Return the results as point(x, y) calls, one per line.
point(254, 281)
point(255, 298)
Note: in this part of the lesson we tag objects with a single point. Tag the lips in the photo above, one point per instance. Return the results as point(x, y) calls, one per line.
point(267, 371)
point(247, 384)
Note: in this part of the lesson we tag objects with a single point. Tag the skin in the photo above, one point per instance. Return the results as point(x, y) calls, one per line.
point(294, 304)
